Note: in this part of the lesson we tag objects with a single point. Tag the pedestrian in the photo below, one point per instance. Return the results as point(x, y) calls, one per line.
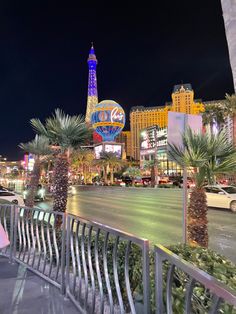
point(3, 238)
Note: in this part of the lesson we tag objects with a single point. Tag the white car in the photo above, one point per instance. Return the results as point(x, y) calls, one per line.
point(221, 196)
point(11, 197)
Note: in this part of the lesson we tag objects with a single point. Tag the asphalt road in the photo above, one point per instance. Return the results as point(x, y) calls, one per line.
point(154, 214)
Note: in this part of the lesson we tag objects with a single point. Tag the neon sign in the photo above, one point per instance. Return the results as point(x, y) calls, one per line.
point(108, 119)
point(116, 114)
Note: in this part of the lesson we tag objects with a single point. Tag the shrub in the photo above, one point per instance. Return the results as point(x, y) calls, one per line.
point(205, 259)
point(212, 263)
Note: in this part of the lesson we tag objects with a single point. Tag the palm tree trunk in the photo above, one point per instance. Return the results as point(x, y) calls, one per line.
point(197, 231)
point(34, 181)
point(60, 183)
point(85, 175)
point(153, 177)
point(105, 174)
point(112, 175)
point(133, 181)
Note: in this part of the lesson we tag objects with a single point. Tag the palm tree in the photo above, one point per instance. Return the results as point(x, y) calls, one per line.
point(102, 164)
point(215, 114)
point(151, 165)
point(231, 105)
point(208, 155)
point(82, 161)
point(65, 133)
point(133, 173)
point(111, 162)
point(40, 148)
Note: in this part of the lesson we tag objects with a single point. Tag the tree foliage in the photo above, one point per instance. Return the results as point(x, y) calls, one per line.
point(40, 148)
point(208, 155)
point(65, 133)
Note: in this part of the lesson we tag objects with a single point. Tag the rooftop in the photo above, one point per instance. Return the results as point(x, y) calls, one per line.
point(142, 108)
point(178, 87)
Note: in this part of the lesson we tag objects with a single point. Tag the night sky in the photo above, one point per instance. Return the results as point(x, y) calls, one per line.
point(142, 52)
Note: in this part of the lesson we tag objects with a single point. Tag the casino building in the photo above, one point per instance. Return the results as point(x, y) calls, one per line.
point(153, 143)
point(143, 117)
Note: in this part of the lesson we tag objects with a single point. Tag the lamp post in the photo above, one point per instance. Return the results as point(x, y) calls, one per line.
point(155, 158)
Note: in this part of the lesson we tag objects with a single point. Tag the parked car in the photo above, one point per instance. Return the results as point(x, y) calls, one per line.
point(178, 181)
point(11, 197)
point(222, 196)
point(128, 181)
point(3, 188)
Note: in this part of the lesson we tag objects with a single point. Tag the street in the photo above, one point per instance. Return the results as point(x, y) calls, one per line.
point(154, 214)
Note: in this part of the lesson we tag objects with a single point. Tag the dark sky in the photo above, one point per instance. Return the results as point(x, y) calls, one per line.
point(142, 52)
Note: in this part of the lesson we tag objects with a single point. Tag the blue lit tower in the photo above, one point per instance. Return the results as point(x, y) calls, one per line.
point(92, 85)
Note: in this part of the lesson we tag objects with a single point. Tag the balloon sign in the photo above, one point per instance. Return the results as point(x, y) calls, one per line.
point(108, 119)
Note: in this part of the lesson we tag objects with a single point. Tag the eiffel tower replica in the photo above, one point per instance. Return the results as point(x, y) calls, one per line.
point(92, 99)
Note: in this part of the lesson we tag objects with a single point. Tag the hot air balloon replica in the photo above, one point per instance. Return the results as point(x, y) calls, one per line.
point(108, 120)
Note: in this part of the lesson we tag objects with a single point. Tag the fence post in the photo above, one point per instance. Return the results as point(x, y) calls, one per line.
point(16, 212)
point(146, 277)
point(158, 283)
point(63, 252)
point(11, 232)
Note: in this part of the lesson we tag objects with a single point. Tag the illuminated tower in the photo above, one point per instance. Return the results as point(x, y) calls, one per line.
point(92, 85)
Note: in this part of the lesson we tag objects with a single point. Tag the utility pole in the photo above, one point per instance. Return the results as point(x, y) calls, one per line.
point(156, 158)
point(185, 192)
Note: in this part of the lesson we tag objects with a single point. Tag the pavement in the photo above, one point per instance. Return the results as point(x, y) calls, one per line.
point(154, 214)
point(23, 292)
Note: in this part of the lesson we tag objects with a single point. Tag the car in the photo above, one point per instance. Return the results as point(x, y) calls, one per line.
point(3, 188)
point(11, 197)
point(71, 190)
point(222, 196)
point(178, 181)
point(40, 194)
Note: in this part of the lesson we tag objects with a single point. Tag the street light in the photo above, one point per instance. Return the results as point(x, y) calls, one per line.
point(155, 158)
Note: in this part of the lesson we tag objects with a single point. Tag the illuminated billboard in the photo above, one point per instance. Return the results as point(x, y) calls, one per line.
point(29, 162)
point(109, 148)
point(152, 137)
point(114, 148)
point(97, 151)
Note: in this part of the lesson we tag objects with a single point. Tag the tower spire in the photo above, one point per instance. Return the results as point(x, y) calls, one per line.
point(92, 99)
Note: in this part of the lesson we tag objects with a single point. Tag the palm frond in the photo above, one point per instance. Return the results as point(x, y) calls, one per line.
point(210, 154)
point(39, 127)
point(63, 130)
point(38, 146)
point(231, 103)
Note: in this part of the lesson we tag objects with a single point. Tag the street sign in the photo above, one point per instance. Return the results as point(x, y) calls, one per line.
point(177, 124)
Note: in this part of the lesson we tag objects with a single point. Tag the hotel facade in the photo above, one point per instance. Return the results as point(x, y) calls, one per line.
point(144, 117)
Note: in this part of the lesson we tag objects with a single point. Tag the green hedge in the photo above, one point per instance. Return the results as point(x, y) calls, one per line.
point(211, 262)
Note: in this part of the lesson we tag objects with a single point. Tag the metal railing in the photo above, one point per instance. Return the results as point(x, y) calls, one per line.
point(7, 221)
point(105, 270)
point(101, 257)
point(39, 244)
point(215, 293)
point(92, 263)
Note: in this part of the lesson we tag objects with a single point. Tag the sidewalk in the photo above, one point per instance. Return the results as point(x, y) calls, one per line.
point(23, 292)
